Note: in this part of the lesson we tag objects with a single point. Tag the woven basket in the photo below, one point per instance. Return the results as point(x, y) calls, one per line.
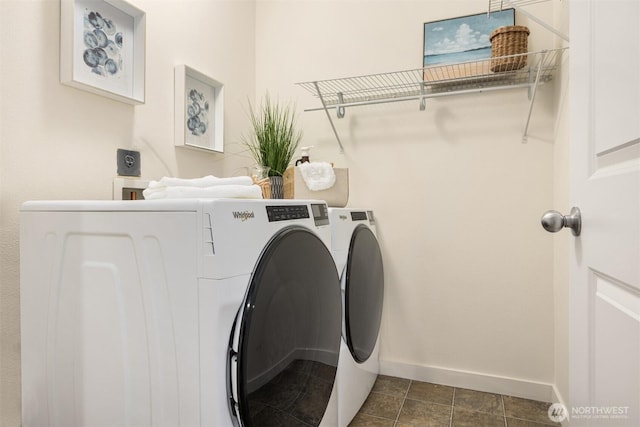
point(265, 186)
point(506, 41)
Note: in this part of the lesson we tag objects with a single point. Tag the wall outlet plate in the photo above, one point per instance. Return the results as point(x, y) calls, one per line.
point(128, 162)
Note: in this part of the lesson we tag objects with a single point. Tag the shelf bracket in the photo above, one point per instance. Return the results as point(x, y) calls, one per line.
point(340, 106)
point(324, 106)
point(423, 100)
point(532, 95)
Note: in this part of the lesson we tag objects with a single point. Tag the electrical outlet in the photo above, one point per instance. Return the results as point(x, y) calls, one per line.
point(128, 162)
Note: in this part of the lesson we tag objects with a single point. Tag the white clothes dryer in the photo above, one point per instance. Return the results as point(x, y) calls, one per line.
point(358, 259)
point(178, 313)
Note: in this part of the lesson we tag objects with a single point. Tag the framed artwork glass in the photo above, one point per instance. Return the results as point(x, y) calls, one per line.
point(102, 48)
point(462, 39)
point(199, 110)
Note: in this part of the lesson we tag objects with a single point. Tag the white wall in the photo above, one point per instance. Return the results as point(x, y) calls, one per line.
point(59, 142)
point(458, 197)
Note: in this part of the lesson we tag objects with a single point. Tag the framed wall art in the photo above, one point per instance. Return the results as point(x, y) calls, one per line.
point(102, 48)
point(199, 110)
point(462, 39)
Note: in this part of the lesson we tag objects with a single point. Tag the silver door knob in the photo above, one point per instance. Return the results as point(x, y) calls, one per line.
point(554, 221)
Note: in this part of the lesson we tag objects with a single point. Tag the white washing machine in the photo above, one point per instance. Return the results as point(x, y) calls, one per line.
point(178, 313)
point(358, 259)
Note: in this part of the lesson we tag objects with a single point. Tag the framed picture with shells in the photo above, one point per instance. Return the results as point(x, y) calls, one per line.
point(102, 48)
point(199, 110)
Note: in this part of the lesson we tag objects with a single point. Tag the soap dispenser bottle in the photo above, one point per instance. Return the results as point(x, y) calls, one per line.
point(305, 155)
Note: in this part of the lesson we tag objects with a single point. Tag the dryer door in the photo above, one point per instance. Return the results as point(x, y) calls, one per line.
point(364, 293)
point(286, 339)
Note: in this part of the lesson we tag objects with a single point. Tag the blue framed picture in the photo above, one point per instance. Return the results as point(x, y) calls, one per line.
point(462, 39)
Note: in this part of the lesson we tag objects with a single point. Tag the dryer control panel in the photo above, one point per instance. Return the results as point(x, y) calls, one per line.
point(359, 216)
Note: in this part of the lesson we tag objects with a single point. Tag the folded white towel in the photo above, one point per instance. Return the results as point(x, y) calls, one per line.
point(212, 192)
point(206, 181)
point(317, 175)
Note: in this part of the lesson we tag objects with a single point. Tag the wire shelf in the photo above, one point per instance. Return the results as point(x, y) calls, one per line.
point(528, 70)
point(440, 80)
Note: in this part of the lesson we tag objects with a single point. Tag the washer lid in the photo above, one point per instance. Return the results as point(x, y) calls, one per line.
point(286, 338)
point(364, 293)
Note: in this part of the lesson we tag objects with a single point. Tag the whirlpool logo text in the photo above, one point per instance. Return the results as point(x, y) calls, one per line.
point(244, 215)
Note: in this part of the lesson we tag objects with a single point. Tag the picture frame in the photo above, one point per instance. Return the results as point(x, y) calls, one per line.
point(102, 48)
point(462, 39)
point(199, 110)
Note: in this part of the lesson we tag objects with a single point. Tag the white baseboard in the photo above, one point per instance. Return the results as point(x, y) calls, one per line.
point(473, 380)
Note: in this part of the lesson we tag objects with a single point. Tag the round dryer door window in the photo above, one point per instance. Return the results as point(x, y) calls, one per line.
point(364, 293)
point(286, 339)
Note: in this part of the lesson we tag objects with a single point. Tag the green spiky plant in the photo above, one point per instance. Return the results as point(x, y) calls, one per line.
point(275, 138)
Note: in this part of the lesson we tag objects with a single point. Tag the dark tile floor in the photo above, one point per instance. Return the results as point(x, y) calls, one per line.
point(399, 402)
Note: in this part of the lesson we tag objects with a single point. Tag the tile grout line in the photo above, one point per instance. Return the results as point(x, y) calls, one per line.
point(453, 403)
point(504, 410)
point(406, 393)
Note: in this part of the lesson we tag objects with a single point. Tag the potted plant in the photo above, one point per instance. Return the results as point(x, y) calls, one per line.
point(274, 140)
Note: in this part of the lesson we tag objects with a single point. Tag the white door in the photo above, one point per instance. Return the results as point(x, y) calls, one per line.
point(605, 185)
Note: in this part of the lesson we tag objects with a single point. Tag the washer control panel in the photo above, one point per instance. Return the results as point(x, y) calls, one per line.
point(287, 212)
